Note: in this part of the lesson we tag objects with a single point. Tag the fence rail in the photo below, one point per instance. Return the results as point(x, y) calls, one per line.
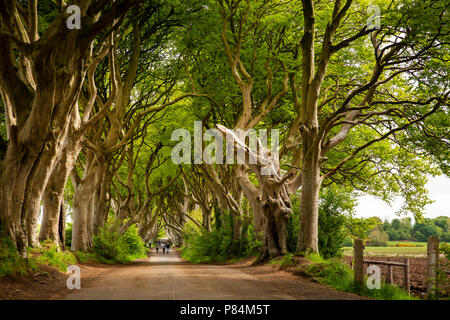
point(390, 274)
point(432, 265)
point(400, 264)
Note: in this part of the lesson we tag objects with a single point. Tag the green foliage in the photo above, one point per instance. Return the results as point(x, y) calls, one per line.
point(10, 261)
point(51, 255)
point(348, 242)
point(286, 261)
point(217, 216)
point(48, 254)
point(445, 249)
point(425, 229)
point(112, 247)
point(378, 238)
point(86, 256)
point(293, 224)
point(358, 228)
point(333, 206)
point(442, 279)
point(133, 242)
point(69, 226)
point(399, 229)
point(218, 245)
point(340, 276)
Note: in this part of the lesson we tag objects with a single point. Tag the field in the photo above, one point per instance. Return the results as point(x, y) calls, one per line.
point(391, 250)
point(417, 260)
point(418, 272)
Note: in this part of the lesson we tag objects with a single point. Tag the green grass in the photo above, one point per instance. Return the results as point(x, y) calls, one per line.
point(339, 276)
point(392, 250)
point(10, 261)
point(50, 255)
point(286, 261)
point(86, 256)
point(393, 243)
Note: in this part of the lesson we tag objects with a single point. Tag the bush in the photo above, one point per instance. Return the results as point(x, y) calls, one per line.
point(332, 208)
point(68, 243)
point(348, 242)
point(406, 245)
point(445, 249)
point(293, 225)
point(333, 205)
point(378, 238)
point(133, 242)
point(218, 245)
point(112, 247)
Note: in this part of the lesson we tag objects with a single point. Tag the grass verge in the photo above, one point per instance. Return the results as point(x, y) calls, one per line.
point(50, 255)
point(340, 277)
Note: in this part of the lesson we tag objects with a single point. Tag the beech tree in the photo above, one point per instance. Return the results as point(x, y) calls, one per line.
point(333, 102)
point(360, 102)
point(43, 69)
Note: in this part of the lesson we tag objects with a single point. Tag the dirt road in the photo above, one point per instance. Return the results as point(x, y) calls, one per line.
point(163, 277)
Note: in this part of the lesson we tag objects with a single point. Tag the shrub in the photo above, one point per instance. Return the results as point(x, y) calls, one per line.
point(378, 238)
point(218, 245)
point(405, 245)
point(348, 242)
point(445, 249)
point(293, 224)
point(134, 245)
point(333, 206)
point(112, 247)
point(68, 241)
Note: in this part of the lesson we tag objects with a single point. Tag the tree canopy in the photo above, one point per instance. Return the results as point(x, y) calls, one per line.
point(359, 99)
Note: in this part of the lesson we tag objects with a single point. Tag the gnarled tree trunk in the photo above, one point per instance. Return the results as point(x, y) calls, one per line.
point(83, 206)
point(40, 85)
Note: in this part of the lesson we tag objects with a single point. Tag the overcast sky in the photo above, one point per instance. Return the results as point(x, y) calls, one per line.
point(439, 191)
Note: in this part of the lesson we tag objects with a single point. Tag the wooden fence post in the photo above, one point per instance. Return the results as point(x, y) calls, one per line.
point(407, 276)
point(358, 255)
point(432, 262)
point(390, 275)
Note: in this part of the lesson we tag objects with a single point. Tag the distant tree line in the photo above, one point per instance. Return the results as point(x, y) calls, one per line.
point(404, 229)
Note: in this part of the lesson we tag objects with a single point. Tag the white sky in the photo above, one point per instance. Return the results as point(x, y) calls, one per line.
point(439, 191)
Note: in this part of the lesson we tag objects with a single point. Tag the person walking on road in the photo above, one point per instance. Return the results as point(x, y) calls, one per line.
point(157, 247)
point(168, 246)
point(164, 248)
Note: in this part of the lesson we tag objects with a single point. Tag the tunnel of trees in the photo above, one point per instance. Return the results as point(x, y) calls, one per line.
point(89, 115)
